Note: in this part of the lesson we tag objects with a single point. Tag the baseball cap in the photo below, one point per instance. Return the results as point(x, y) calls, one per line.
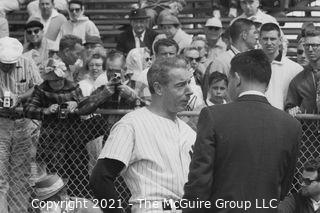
point(10, 50)
point(168, 19)
point(213, 22)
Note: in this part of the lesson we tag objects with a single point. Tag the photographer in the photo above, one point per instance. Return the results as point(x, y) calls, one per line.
point(61, 144)
point(112, 90)
point(18, 135)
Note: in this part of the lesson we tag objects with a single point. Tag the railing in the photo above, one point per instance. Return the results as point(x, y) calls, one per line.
point(71, 146)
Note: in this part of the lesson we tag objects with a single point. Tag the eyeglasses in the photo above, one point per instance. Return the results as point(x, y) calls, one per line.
point(313, 45)
point(95, 65)
point(191, 59)
point(300, 52)
point(30, 32)
point(213, 28)
point(148, 59)
point(307, 181)
point(77, 10)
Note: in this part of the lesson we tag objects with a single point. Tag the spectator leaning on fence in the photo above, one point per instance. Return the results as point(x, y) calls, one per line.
point(150, 146)
point(36, 46)
point(62, 143)
point(283, 69)
point(79, 24)
point(304, 89)
point(307, 199)
point(18, 135)
point(52, 21)
point(138, 35)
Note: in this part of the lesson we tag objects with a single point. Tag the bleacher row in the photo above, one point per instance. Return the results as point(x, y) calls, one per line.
point(110, 21)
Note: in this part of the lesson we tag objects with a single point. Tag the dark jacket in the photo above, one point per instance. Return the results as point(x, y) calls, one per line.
point(245, 150)
point(296, 203)
point(302, 92)
point(125, 41)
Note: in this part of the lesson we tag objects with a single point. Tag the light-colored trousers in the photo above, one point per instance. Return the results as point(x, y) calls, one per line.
point(18, 139)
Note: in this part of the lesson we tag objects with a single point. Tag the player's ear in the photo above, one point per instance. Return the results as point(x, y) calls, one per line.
point(158, 89)
point(238, 79)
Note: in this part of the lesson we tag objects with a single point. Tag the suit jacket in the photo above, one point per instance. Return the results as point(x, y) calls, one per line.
point(245, 150)
point(126, 42)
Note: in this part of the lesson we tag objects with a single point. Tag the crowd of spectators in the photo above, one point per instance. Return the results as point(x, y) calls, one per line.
point(62, 74)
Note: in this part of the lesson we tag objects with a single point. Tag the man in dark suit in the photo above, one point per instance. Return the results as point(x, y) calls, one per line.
point(246, 151)
point(137, 35)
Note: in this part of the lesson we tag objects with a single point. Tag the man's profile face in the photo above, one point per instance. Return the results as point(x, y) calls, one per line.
point(252, 36)
point(139, 25)
point(177, 92)
point(46, 7)
point(270, 42)
point(72, 55)
point(167, 51)
point(312, 48)
point(309, 186)
point(249, 7)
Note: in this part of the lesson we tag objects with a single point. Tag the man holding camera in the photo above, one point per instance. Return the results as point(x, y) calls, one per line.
point(18, 135)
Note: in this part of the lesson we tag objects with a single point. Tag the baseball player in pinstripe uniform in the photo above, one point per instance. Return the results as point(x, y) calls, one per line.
point(150, 146)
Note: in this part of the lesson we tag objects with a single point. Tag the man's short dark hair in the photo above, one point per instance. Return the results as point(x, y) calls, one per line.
point(75, 2)
point(238, 26)
point(69, 41)
point(216, 77)
point(312, 165)
point(267, 27)
point(159, 70)
point(167, 42)
point(252, 65)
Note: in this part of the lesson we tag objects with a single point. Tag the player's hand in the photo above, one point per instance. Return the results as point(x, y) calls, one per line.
point(126, 92)
point(294, 111)
point(51, 109)
point(72, 105)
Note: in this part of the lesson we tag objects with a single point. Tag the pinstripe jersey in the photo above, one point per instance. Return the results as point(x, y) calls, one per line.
point(155, 151)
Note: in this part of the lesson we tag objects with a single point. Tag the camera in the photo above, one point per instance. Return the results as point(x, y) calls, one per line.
point(116, 79)
point(63, 111)
point(7, 100)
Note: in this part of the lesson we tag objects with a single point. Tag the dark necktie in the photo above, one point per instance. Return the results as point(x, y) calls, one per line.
point(140, 40)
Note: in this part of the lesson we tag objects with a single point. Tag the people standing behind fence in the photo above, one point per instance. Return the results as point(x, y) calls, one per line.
point(171, 28)
point(244, 37)
point(62, 144)
point(283, 69)
point(304, 89)
point(52, 21)
point(36, 46)
point(150, 146)
point(255, 163)
point(51, 190)
point(307, 198)
point(138, 35)
point(79, 24)
point(18, 135)
point(165, 48)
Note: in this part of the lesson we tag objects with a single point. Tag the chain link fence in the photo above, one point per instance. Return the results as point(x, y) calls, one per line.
point(70, 147)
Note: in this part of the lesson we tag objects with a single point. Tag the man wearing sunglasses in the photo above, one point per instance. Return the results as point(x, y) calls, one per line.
point(308, 198)
point(79, 24)
point(304, 89)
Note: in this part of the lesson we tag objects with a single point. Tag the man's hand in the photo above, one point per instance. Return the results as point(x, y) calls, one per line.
point(72, 105)
point(127, 93)
point(16, 100)
point(51, 109)
point(294, 111)
point(110, 88)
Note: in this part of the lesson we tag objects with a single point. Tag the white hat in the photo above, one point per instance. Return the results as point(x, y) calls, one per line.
point(10, 50)
point(213, 22)
point(48, 186)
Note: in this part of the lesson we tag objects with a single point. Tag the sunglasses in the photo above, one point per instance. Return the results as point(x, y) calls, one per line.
point(300, 52)
point(148, 59)
point(77, 10)
point(30, 32)
point(313, 45)
point(196, 59)
point(214, 28)
point(307, 181)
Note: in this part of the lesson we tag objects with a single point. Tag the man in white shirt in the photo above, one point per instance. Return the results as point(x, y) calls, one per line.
point(150, 146)
point(283, 69)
